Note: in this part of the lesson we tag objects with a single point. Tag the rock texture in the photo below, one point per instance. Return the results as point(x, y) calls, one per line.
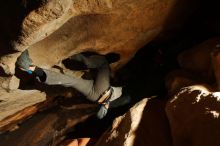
point(9, 83)
point(49, 127)
point(199, 65)
point(193, 109)
point(53, 30)
point(194, 119)
point(58, 29)
point(144, 124)
point(198, 61)
point(103, 26)
point(16, 101)
point(17, 104)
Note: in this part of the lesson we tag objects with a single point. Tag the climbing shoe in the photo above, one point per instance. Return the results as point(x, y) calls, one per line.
point(24, 61)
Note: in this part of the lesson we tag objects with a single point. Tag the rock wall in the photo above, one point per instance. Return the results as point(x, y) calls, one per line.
point(53, 30)
point(58, 29)
point(101, 26)
point(194, 117)
point(145, 124)
point(193, 107)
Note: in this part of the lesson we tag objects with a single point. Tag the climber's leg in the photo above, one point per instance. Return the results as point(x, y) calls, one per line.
point(54, 78)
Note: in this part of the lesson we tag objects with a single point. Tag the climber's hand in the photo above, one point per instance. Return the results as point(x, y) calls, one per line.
point(24, 62)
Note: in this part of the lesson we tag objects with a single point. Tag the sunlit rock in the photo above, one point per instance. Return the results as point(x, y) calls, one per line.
point(16, 101)
point(144, 124)
point(9, 83)
point(194, 119)
point(106, 26)
point(124, 127)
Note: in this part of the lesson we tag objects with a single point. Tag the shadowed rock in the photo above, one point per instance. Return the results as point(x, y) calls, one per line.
point(144, 124)
point(193, 115)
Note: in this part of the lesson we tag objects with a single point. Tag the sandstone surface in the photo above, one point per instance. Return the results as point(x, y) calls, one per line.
point(193, 114)
point(55, 29)
point(144, 124)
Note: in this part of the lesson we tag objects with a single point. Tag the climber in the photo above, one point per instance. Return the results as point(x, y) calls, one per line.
point(97, 90)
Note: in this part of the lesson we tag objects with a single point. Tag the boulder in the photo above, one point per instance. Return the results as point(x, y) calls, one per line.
point(145, 124)
point(178, 79)
point(62, 29)
point(53, 30)
point(48, 127)
point(215, 63)
point(193, 114)
point(17, 105)
point(197, 60)
point(9, 83)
